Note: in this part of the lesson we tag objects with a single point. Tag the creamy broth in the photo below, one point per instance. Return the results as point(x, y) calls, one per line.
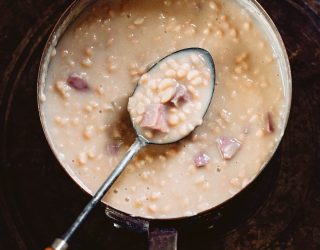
point(95, 68)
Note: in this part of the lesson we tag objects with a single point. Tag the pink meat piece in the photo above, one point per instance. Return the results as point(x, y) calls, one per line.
point(77, 82)
point(114, 147)
point(228, 147)
point(181, 94)
point(269, 123)
point(201, 159)
point(155, 118)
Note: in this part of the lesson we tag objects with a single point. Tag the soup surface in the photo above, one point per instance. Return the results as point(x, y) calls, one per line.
point(94, 71)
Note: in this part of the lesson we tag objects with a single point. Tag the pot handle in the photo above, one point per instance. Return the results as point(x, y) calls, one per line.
point(163, 239)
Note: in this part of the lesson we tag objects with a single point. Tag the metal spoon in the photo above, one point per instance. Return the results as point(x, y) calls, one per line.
point(140, 141)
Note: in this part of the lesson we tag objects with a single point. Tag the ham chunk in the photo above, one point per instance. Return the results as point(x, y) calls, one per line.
point(181, 94)
point(228, 147)
point(155, 118)
point(114, 147)
point(201, 159)
point(269, 123)
point(77, 82)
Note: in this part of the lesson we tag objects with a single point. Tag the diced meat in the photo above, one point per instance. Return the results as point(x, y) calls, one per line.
point(269, 123)
point(181, 94)
point(114, 147)
point(155, 118)
point(228, 147)
point(150, 117)
point(77, 82)
point(162, 124)
point(201, 159)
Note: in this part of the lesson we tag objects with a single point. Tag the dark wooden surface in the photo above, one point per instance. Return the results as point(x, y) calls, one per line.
point(38, 200)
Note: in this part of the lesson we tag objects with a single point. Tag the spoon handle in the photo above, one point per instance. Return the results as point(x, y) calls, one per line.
point(62, 243)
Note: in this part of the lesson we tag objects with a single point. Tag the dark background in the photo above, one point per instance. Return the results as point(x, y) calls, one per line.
point(38, 201)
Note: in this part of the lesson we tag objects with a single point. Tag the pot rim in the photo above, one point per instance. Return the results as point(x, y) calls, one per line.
point(69, 16)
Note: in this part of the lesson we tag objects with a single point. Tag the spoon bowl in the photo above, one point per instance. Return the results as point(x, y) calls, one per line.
point(206, 100)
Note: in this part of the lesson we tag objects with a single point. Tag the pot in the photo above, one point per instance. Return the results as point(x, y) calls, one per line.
point(222, 218)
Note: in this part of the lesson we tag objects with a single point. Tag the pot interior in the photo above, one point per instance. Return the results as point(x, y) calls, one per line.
point(79, 7)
